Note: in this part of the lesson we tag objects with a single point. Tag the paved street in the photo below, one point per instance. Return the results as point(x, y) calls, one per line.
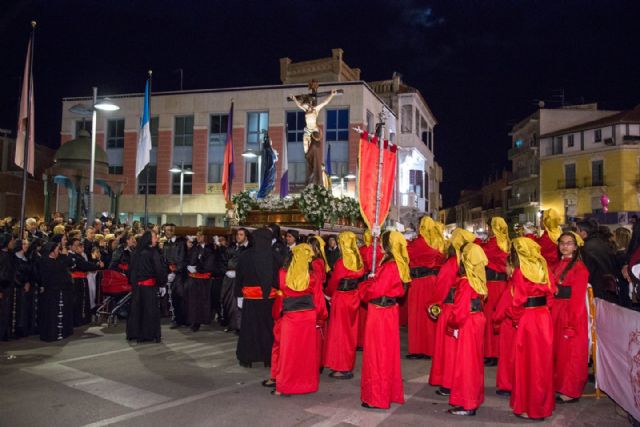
point(96, 378)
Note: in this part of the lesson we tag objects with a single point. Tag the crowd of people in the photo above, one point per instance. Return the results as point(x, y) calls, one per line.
point(304, 303)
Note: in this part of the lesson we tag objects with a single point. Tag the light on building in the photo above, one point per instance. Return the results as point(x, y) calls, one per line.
point(106, 105)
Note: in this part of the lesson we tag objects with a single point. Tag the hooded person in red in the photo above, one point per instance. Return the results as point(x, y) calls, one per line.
point(570, 320)
point(466, 323)
point(442, 367)
point(295, 375)
point(503, 325)
point(532, 393)
point(342, 288)
point(548, 241)
point(319, 267)
point(366, 252)
point(497, 249)
point(381, 382)
point(425, 259)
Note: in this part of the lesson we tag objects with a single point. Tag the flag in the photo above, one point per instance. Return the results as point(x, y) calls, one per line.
point(284, 178)
point(227, 167)
point(327, 162)
point(25, 119)
point(143, 153)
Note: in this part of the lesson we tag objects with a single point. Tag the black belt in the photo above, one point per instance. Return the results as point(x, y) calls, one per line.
point(476, 305)
point(304, 302)
point(535, 302)
point(419, 272)
point(450, 295)
point(564, 292)
point(348, 284)
point(494, 276)
point(383, 301)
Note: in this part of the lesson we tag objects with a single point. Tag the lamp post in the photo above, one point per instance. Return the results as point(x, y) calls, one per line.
point(104, 105)
point(182, 171)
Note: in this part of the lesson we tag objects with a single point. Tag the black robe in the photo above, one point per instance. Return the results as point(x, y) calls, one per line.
point(56, 298)
point(81, 299)
point(198, 290)
point(7, 288)
point(22, 322)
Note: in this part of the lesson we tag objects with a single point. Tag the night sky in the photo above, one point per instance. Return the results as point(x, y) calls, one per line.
point(481, 65)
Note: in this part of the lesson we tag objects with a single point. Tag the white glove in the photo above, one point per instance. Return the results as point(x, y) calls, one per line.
point(240, 301)
point(231, 274)
point(456, 333)
point(192, 268)
point(171, 277)
point(162, 291)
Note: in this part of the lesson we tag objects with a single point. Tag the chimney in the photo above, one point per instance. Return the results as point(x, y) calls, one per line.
point(396, 79)
point(284, 68)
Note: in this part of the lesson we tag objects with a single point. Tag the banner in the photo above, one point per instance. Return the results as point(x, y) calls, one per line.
point(368, 178)
point(618, 355)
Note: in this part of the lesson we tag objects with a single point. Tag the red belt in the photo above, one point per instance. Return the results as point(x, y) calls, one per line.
point(173, 267)
point(200, 275)
point(255, 292)
point(123, 267)
point(79, 274)
point(148, 282)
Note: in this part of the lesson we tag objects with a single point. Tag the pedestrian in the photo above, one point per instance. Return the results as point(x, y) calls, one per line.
point(342, 289)
point(442, 367)
point(7, 283)
point(532, 395)
point(231, 312)
point(366, 252)
point(570, 321)
point(202, 263)
point(22, 322)
point(174, 254)
point(80, 267)
point(466, 323)
point(298, 326)
point(503, 325)
point(332, 250)
point(148, 278)
point(548, 241)
point(425, 259)
point(256, 281)
point(496, 249)
point(381, 382)
point(599, 260)
point(320, 268)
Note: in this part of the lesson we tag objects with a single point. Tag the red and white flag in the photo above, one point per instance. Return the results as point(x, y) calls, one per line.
point(25, 119)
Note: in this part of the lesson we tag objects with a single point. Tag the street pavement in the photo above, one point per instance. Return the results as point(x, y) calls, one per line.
point(97, 378)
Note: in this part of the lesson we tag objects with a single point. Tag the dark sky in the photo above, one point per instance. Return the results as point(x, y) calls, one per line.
point(481, 65)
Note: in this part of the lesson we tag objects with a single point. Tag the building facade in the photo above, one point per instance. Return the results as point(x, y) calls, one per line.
point(582, 163)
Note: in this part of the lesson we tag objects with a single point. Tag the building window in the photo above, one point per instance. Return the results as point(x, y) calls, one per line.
point(371, 125)
point(417, 123)
point(598, 135)
point(217, 137)
point(188, 180)
point(416, 182)
point(257, 122)
point(83, 124)
point(570, 141)
point(570, 175)
point(337, 134)
point(406, 119)
point(597, 172)
point(556, 147)
point(154, 125)
point(115, 133)
point(151, 168)
point(183, 135)
point(115, 170)
point(295, 150)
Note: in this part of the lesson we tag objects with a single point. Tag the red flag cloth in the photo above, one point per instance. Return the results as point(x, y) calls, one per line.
point(532, 391)
point(368, 178)
point(26, 118)
point(227, 166)
point(381, 382)
point(570, 338)
point(506, 340)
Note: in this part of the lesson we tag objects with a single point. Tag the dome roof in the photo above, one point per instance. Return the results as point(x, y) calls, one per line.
point(77, 152)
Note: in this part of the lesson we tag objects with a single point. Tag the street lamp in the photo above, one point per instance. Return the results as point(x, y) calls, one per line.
point(103, 105)
point(182, 171)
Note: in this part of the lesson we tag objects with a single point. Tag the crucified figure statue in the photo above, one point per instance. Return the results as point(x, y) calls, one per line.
point(312, 134)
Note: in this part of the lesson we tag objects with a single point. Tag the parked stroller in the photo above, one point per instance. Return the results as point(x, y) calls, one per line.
point(116, 293)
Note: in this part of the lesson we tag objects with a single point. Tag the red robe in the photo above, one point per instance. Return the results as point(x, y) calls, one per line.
point(571, 339)
point(381, 382)
point(421, 328)
point(467, 388)
point(503, 324)
point(549, 250)
point(366, 252)
point(498, 263)
point(318, 268)
point(532, 391)
point(441, 373)
point(297, 340)
point(342, 334)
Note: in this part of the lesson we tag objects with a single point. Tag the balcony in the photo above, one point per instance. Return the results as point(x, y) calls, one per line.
point(595, 181)
point(567, 184)
point(631, 140)
point(523, 200)
point(515, 151)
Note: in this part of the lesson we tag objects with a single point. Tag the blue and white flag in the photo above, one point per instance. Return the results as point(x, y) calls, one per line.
point(143, 153)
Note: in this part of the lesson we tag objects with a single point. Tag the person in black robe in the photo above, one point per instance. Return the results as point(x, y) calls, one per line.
point(277, 245)
point(56, 292)
point(229, 292)
point(174, 253)
point(220, 256)
point(257, 282)
point(121, 257)
point(202, 263)
point(34, 255)
point(79, 270)
point(7, 284)
point(23, 294)
point(148, 278)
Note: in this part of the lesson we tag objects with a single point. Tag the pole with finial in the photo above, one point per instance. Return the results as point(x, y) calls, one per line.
point(146, 187)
